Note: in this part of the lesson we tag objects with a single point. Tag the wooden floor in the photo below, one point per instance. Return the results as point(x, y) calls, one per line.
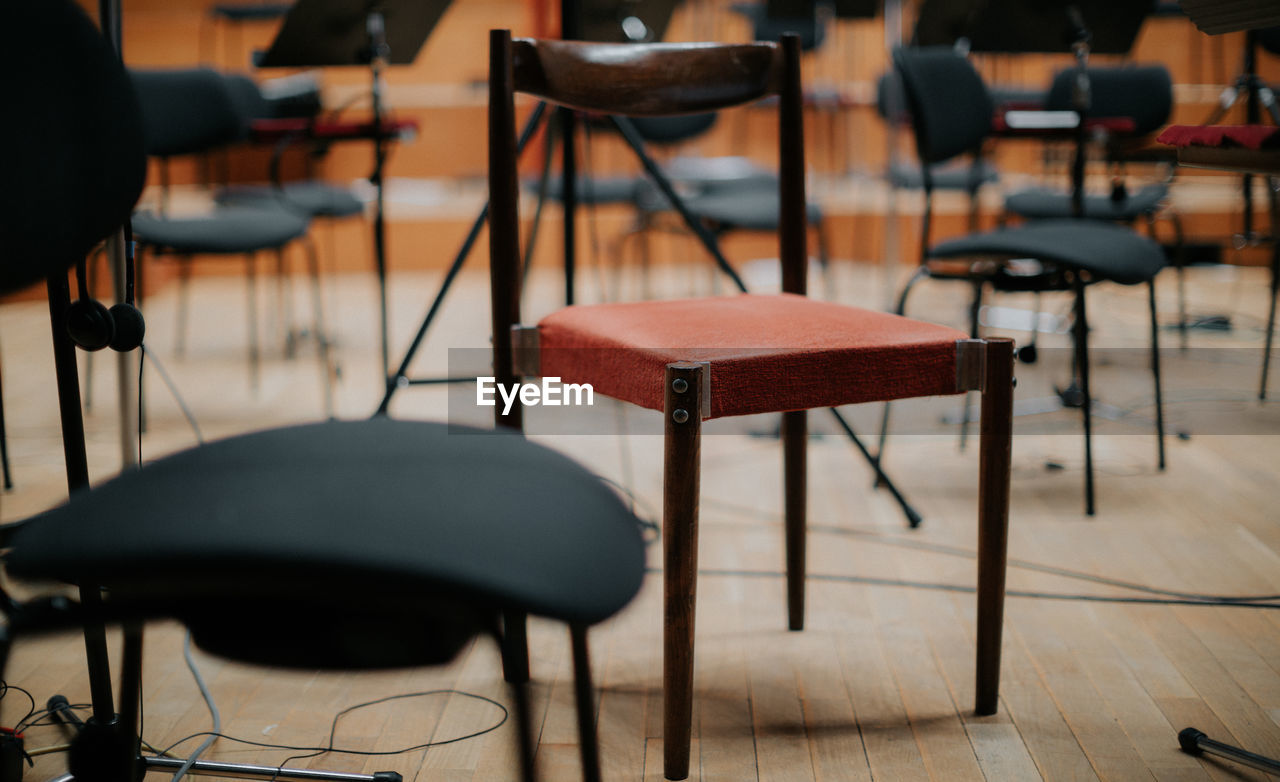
point(879, 685)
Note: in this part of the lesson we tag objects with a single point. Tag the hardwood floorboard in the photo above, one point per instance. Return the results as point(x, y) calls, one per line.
point(879, 686)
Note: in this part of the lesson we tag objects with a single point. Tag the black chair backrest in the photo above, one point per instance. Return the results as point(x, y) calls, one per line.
point(74, 162)
point(187, 111)
point(949, 105)
point(1143, 93)
point(247, 98)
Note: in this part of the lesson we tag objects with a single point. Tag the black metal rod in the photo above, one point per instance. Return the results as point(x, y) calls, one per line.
point(913, 517)
point(394, 381)
point(587, 739)
point(632, 136)
point(1082, 367)
point(1194, 742)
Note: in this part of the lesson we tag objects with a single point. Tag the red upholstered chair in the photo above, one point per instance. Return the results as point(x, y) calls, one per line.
point(696, 359)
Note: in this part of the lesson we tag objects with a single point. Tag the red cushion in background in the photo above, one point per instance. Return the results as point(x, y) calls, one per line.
point(1249, 136)
point(768, 353)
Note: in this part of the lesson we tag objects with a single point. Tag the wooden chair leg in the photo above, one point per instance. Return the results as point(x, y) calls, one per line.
point(795, 438)
point(588, 741)
point(993, 518)
point(682, 445)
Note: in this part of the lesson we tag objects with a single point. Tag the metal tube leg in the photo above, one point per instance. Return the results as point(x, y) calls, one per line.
point(1194, 742)
point(993, 518)
point(795, 440)
point(1086, 408)
point(587, 738)
point(1155, 372)
point(682, 445)
point(1271, 319)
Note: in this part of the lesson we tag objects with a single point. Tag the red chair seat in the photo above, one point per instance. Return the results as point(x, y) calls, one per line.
point(767, 353)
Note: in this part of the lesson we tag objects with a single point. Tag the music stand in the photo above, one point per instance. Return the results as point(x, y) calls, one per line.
point(369, 33)
point(1225, 16)
point(1030, 26)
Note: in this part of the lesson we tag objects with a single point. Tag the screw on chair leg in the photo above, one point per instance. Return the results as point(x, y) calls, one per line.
point(993, 518)
point(682, 446)
point(795, 440)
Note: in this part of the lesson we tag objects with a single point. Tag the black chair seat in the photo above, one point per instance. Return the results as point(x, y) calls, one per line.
point(750, 209)
point(1106, 251)
point(230, 229)
point(312, 197)
point(951, 177)
point(1037, 204)
point(272, 545)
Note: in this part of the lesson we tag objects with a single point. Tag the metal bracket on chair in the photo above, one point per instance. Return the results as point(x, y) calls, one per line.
point(971, 364)
point(525, 356)
point(704, 404)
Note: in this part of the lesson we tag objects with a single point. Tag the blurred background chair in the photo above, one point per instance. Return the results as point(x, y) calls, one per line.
point(951, 113)
point(1141, 95)
point(189, 112)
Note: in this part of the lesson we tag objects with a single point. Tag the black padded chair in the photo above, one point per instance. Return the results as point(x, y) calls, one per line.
point(967, 176)
point(187, 112)
point(1144, 95)
point(951, 113)
point(351, 545)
